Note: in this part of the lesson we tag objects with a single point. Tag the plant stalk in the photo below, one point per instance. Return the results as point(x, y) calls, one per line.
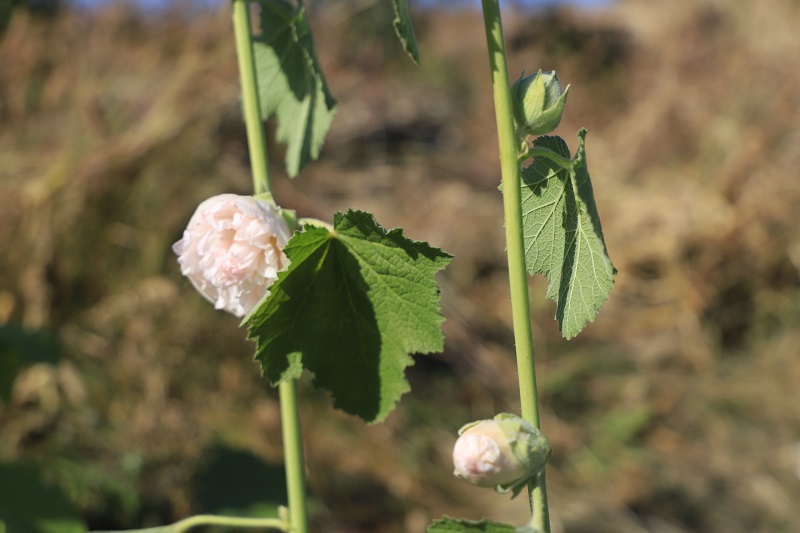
point(251, 107)
point(211, 520)
point(518, 277)
point(293, 455)
point(290, 418)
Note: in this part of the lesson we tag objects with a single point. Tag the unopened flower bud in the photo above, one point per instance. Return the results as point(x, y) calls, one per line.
point(504, 452)
point(538, 102)
point(232, 250)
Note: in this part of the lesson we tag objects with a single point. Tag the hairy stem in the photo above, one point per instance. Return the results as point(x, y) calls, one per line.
point(290, 418)
point(518, 278)
point(251, 106)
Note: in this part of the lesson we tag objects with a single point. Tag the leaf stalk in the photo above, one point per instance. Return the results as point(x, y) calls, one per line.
point(518, 278)
point(538, 151)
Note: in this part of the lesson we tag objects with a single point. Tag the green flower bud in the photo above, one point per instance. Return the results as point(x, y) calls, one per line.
point(504, 452)
point(538, 102)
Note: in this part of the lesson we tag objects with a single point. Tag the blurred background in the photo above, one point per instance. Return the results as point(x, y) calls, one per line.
point(127, 401)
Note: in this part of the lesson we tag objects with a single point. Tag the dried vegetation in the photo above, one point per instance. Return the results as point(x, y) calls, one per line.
point(676, 411)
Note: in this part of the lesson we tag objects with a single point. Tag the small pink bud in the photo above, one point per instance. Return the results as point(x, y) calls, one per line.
point(504, 452)
point(483, 456)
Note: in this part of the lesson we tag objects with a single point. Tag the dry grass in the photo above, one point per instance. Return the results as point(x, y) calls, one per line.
point(676, 411)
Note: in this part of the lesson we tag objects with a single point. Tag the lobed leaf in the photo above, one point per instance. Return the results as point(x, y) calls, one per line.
point(351, 307)
point(563, 237)
point(291, 83)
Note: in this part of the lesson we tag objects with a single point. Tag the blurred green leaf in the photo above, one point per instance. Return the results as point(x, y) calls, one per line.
point(404, 29)
point(352, 306)
point(456, 525)
point(563, 237)
point(235, 482)
point(291, 83)
point(98, 488)
point(20, 348)
point(622, 426)
point(28, 505)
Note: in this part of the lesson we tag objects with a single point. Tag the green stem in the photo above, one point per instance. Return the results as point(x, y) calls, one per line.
point(518, 278)
point(293, 455)
point(293, 445)
point(512, 203)
point(210, 520)
point(251, 107)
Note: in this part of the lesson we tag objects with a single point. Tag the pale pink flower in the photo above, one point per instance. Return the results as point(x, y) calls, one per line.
point(232, 251)
point(482, 456)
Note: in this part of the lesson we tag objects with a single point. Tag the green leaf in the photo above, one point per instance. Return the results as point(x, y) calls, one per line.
point(351, 307)
point(290, 82)
point(456, 525)
point(563, 236)
point(404, 29)
point(28, 505)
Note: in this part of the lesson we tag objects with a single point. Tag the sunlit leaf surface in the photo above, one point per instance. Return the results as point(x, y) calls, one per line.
point(563, 236)
point(291, 83)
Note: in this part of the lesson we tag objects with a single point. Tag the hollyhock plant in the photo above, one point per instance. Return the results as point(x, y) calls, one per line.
point(359, 299)
point(232, 251)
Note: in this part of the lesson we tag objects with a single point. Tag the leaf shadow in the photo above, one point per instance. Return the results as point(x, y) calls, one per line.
point(327, 325)
point(568, 266)
point(586, 195)
point(534, 180)
point(353, 375)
